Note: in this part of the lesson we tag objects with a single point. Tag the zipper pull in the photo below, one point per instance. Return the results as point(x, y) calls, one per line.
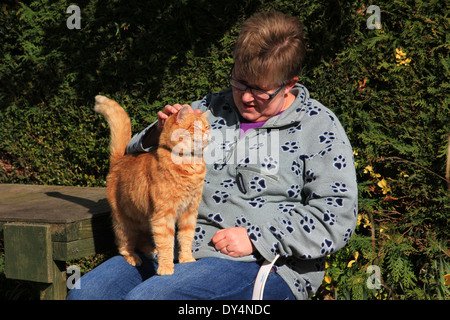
point(240, 183)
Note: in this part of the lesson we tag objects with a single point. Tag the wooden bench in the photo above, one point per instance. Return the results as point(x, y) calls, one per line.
point(43, 227)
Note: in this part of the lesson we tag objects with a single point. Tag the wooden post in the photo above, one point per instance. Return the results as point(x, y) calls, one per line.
point(29, 256)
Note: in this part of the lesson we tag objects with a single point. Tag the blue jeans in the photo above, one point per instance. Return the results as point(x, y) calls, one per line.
point(204, 279)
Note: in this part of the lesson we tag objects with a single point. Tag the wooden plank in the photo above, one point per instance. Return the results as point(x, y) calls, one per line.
point(50, 204)
point(28, 252)
point(98, 225)
point(65, 251)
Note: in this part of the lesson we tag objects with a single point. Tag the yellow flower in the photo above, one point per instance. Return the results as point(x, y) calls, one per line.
point(353, 261)
point(368, 169)
point(383, 185)
point(400, 52)
point(401, 57)
point(366, 222)
point(327, 279)
point(404, 174)
point(447, 279)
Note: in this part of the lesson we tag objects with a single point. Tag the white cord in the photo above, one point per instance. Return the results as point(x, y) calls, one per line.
point(260, 282)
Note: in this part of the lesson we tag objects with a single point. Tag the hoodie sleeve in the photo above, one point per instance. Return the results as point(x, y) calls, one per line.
point(135, 144)
point(323, 218)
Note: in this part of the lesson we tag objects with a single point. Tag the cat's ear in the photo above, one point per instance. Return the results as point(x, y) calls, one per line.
point(183, 112)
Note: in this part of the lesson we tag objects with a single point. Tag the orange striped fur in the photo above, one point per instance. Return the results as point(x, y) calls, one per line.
point(150, 193)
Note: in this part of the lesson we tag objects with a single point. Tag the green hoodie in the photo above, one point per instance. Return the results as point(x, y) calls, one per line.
point(291, 183)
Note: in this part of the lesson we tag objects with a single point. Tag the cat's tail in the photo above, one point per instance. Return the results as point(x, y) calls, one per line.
point(119, 124)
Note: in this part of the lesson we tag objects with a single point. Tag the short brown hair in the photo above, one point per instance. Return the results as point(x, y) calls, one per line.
point(270, 45)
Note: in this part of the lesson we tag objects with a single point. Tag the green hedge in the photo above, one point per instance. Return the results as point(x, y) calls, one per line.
point(388, 86)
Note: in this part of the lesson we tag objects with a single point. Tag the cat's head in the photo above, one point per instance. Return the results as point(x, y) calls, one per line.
point(186, 133)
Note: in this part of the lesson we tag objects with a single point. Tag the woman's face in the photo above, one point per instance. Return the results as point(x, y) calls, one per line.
point(254, 109)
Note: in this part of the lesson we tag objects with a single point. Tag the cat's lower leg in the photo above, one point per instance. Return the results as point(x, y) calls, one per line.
point(126, 238)
point(186, 232)
point(163, 235)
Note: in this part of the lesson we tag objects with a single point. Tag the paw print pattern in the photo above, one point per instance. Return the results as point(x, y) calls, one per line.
point(294, 191)
point(327, 247)
point(329, 217)
point(308, 285)
point(257, 202)
point(257, 184)
point(296, 168)
point(325, 151)
point(290, 146)
point(215, 217)
point(242, 222)
point(220, 197)
point(307, 224)
point(334, 202)
point(311, 110)
point(331, 117)
point(244, 162)
point(218, 124)
point(298, 285)
point(254, 233)
point(327, 137)
point(339, 187)
point(277, 233)
point(309, 176)
point(274, 249)
point(288, 225)
point(199, 236)
point(313, 196)
point(295, 129)
point(339, 162)
point(285, 208)
point(228, 183)
point(348, 234)
point(270, 163)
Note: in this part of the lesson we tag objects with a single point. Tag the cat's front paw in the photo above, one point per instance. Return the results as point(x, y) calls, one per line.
point(165, 270)
point(134, 260)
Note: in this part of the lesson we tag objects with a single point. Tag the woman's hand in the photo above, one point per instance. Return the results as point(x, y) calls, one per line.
point(152, 136)
point(234, 242)
point(168, 110)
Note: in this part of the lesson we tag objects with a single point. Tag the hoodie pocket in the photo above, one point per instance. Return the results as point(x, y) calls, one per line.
point(252, 182)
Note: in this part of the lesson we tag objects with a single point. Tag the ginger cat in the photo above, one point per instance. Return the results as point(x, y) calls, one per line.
point(151, 192)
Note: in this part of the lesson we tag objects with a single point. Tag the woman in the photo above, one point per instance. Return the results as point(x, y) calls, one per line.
point(280, 182)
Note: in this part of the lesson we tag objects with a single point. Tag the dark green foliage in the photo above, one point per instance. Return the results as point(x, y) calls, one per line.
point(389, 88)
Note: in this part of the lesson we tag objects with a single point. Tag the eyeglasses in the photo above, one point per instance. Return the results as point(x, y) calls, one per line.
point(257, 93)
